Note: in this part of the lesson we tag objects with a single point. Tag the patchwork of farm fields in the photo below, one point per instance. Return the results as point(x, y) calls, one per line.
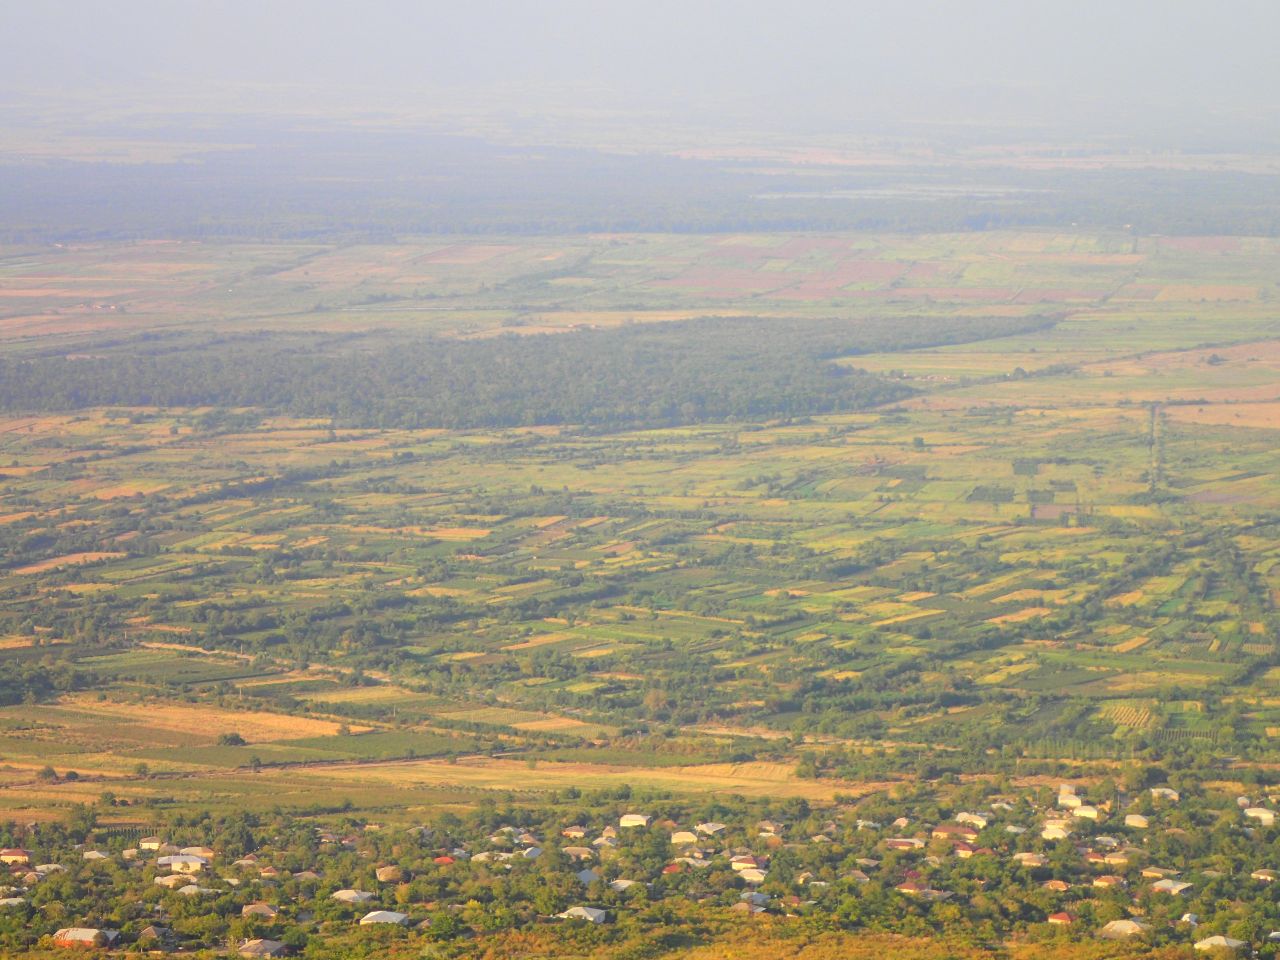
point(1123, 293)
point(1063, 541)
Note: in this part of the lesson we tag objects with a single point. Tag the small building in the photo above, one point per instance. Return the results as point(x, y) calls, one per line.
point(1062, 918)
point(904, 843)
point(263, 910)
point(15, 856)
point(183, 863)
point(1137, 821)
point(384, 916)
point(912, 888)
point(589, 914)
point(1266, 875)
point(155, 935)
point(710, 828)
point(389, 874)
point(574, 833)
point(1264, 816)
point(588, 876)
point(262, 948)
point(1219, 942)
point(1123, 930)
point(1172, 887)
point(87, 937)
point(634, 820)
point(351, 896)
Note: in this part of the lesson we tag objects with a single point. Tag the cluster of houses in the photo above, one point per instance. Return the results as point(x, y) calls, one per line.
point(1103, 862)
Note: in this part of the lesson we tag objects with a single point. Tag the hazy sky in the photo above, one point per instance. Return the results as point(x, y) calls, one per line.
point(850, 61)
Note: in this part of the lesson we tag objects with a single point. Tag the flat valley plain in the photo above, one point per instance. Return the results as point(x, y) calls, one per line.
point(1058, 545)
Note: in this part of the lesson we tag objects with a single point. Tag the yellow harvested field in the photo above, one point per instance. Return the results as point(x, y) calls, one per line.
point(1133, 643)
point(1262, 416)
point(1019, 596)
point(373, 694)
point(1025, 614)
point(903, 617)
point(1004, 673)
point(1126, 599)
point(538, 641)
point(551, 724)
point(457, 533)
point(68, 560)
point(990, 586)
point(757, 779)
point(128, 490)
point(205, 720)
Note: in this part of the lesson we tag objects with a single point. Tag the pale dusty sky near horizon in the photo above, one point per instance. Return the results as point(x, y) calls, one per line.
point(1168, 62)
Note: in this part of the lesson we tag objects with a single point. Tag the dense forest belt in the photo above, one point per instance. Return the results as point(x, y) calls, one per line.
point(654, 374)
